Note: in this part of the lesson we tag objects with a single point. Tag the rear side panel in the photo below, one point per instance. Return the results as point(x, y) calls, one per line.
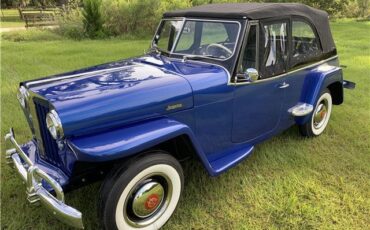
point(306, 84)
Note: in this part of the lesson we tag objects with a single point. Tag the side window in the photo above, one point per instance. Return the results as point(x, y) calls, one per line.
point(249, 57)
point(218, 39)
point(305, 44)
point(168, 34)
point(273, 49)
point(186, 42)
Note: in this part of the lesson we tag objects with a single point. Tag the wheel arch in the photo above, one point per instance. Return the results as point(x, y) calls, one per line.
point(323, 77)
point(336, 91)
point(121, 144)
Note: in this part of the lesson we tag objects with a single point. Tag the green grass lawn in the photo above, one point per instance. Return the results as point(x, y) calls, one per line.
point(288, 182)
point(10, 18)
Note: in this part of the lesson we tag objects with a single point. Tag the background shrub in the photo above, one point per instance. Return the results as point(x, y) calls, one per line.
point(92, 18)
point(72, 26)
point(139, 18)
point(71, 21)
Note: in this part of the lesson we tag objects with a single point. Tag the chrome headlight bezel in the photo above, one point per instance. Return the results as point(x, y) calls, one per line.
point(22, 96)
point(54, 125)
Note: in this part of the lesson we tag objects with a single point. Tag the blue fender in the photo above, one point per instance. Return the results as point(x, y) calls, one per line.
point(130, 140)
point(315, 82)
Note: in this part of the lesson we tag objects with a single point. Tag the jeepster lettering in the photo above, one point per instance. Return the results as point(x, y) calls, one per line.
point(175, 106)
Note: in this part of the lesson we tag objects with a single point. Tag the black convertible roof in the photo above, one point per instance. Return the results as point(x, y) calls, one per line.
point(257, 11)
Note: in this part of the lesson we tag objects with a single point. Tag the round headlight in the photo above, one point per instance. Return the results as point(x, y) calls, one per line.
point(23, 96)
point(54, 125)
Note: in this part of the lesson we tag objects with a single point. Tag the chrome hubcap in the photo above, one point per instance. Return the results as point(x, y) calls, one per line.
point(148, 199)
point(320, 115)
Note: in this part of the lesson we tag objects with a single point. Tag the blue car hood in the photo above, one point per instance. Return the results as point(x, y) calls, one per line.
point(114, 94)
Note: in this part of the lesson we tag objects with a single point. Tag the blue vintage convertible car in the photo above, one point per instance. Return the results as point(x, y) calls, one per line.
point(217, 80)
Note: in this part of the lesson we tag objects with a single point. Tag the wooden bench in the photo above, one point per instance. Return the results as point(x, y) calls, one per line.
point(33, 19)
point(56, 10)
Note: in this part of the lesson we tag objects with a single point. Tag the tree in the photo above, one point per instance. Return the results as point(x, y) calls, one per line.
point(92, 18)
point(363, 6)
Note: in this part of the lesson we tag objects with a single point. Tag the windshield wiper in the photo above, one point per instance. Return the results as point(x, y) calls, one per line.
point(196, 57)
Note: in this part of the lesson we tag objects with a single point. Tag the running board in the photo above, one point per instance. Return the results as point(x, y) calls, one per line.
point(229, 159)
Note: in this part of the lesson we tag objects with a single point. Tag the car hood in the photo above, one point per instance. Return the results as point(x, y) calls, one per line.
point(114, 94)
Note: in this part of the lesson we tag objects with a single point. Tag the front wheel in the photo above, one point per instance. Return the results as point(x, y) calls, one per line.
point(142, 194)
point(320, 116)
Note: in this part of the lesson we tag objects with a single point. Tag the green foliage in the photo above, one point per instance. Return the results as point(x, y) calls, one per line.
point(71, 21)
point(363, 6)
point(72, 26)
point(92, 18)
point(136, 16)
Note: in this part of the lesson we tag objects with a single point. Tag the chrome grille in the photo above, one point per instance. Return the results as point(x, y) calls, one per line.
point(50, 146)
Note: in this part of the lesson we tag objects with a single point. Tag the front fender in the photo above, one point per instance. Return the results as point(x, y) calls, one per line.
point(129, 140)
point(315, 82)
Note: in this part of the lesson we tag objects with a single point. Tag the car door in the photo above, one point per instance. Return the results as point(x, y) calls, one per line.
point(258, 102)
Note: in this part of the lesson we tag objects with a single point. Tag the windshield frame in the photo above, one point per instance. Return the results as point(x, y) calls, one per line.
point(184, 19)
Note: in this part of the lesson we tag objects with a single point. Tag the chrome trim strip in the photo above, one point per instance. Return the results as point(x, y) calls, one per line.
point(28, 84)
point(33, 176)
point(287, 73)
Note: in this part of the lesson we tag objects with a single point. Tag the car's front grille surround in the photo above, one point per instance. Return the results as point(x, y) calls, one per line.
point(50, 146)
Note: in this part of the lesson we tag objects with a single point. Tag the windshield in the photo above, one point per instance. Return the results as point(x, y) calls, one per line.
point(211, 39)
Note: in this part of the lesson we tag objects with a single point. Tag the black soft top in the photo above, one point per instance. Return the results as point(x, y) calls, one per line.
point(257, 11)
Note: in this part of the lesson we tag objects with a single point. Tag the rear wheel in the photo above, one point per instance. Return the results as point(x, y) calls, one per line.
point(320, 116)
point(143, 194)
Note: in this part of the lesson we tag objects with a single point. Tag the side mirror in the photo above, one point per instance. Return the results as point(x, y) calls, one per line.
point(252, 74)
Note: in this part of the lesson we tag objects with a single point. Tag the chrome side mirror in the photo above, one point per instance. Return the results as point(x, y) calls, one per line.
point(252, 74)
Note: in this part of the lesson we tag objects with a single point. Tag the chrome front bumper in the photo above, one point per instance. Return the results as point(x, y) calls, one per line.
point(33, 176)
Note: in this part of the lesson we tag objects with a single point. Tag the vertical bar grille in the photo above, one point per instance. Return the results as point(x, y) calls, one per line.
point(49, 144)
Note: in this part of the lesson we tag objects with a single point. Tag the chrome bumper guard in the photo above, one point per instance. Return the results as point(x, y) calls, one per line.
point(301, 109)
point(32, 176)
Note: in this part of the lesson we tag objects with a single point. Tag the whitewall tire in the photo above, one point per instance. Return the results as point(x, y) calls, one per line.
point(320, 116)
point(143, 194)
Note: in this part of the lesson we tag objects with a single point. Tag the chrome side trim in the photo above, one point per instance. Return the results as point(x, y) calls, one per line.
point(287, 73)
point(301, 109)
point(32, 176)
point(28, 84)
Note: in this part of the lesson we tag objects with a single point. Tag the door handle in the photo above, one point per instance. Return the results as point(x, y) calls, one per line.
point(283, 85)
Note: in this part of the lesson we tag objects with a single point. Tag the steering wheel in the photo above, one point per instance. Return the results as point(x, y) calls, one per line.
point(216, 45)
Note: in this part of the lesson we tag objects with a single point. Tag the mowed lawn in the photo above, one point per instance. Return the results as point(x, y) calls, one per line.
point(10, 18)
point(288, 182)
